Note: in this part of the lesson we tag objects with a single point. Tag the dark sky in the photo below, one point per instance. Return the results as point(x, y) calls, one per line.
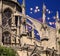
point(34, 9)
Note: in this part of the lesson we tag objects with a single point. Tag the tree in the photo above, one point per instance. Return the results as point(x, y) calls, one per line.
point(59, 31)
point(4, 51)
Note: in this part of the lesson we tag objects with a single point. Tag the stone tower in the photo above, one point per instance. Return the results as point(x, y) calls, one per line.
point(57, 24)
point(57, 30)
point(23, 17)
point(44, 11)
point(9, 23)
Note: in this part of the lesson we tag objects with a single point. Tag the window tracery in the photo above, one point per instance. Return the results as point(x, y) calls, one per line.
point(6, 17)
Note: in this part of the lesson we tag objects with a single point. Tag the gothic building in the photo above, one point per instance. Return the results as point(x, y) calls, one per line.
point(8, 22)
point(14, 32)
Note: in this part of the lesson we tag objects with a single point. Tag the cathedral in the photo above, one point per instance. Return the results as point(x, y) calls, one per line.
point(14, 31)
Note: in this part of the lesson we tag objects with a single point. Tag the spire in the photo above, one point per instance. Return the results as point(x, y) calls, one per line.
point(57, 20)
point(44, 11)
point(23, 17)
point(44, 7)
point(23, 3)
point(23, 7)
point(57, 16)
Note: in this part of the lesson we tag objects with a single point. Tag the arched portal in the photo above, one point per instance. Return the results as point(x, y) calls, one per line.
point(6, 38)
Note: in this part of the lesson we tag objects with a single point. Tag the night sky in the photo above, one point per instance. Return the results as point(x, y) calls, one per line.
point(34, 9)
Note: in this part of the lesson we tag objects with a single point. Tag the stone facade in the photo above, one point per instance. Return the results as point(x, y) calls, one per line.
point(9, 25)
point(14, 33)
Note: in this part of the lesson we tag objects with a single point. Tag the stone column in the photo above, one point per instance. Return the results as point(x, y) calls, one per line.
point(13, 16)
point(0, 22)
point(18, 31)
point(32, 33)
point(22, 29)
point(13, 20)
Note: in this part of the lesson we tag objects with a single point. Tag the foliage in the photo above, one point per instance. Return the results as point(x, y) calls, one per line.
point(59, 42)
point(4, 51)
point(59, 31)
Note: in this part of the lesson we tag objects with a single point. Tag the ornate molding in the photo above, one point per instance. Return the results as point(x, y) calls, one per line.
point(6, 28)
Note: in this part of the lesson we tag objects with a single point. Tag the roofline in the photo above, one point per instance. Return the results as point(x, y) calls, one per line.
point(42, 23)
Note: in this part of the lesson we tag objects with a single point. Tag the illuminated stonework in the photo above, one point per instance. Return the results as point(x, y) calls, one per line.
point(13, 32)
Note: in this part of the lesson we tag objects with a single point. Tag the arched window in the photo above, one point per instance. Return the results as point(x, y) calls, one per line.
point(7, 17)
point(6, 38)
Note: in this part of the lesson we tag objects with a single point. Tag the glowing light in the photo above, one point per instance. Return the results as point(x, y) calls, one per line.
point(37, 7)
point(31, 9)
point(48, 18)
point(36, 11)
point(49, 12)
point(54, 17)
point(50, 23)
point(31, 12)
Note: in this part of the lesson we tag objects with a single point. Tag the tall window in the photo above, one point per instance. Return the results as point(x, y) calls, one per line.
point(16, 20)
point(6, 39)
point(7, 17)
